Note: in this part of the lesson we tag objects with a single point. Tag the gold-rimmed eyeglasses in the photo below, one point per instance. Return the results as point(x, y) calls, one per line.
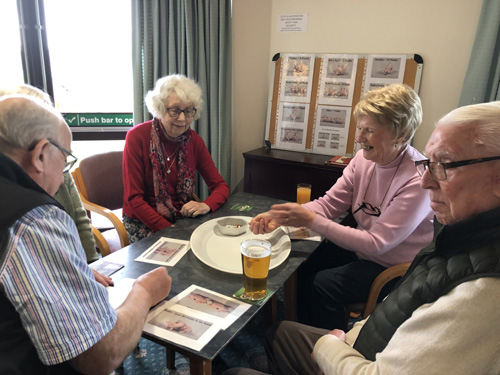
point(438, 169)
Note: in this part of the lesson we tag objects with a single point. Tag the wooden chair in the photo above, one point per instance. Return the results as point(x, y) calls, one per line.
point(365, 309)
point(99, 181)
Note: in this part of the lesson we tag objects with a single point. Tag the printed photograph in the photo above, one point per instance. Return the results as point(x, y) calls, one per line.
point(294, 113)
point(336, 90)
point(293, 88)
point(298, 66)
point(209, 303)
point(322, 135)
point(387, 68)
point(181, 324)
point(165, 251)
point(333, 117)
point(292, 135)
point(334, 145)
point(339, 68)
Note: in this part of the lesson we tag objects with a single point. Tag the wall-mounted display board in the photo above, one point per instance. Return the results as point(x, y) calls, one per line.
point(312, 97)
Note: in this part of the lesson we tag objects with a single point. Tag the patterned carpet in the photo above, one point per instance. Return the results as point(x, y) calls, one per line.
point(246, 350)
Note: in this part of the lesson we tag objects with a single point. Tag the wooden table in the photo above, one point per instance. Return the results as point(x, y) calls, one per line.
point(189, 270)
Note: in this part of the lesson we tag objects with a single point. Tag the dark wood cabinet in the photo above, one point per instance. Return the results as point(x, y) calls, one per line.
point(276, 173)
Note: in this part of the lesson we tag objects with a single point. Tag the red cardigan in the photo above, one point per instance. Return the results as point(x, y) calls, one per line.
point(139, 197)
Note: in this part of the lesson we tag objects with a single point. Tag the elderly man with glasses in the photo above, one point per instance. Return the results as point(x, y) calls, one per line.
point(442, 317)
point(55, 317)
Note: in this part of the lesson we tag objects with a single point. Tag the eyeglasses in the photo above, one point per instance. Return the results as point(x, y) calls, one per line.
point(69, 164)
point(368, 209)
point(438, 170)
point(176, 112)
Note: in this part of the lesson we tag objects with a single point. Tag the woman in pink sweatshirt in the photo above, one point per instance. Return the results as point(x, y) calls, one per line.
point(381, 187)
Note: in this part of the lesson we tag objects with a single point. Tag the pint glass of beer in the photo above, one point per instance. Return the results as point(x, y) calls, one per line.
point(255, 258)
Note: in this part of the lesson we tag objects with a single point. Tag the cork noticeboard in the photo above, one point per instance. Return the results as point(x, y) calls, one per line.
point(312, 97)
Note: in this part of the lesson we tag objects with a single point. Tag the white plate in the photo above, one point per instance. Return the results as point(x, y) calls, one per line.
point(223, 252)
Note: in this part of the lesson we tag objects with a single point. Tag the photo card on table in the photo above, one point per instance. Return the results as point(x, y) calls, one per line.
point(194, 316)
point(209, 305)
point(165, 252)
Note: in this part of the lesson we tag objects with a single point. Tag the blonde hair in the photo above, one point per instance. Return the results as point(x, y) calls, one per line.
point(396, 106)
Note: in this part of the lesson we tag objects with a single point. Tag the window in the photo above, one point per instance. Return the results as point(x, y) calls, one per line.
point(77, 51)
point(90, 46)
point(11, 71)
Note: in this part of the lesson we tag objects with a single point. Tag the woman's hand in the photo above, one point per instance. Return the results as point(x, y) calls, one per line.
point(193, 209)
point(262, 224)
point(291, 214)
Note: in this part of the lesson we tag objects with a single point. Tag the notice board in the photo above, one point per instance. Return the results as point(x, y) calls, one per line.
point(312, 97)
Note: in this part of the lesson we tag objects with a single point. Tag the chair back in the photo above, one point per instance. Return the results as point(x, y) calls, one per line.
point(103, 180)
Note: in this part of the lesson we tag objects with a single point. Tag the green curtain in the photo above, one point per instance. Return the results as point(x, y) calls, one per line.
point(190, 37)
point(482, 80)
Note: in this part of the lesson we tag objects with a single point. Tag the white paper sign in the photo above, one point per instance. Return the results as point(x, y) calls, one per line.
point(291, 23)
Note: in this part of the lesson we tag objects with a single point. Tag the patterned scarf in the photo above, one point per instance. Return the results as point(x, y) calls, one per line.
point(185, 176)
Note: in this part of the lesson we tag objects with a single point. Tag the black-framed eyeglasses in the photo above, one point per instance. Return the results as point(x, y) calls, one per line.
point(368, 209)
point(438, 169)
point(176, 112)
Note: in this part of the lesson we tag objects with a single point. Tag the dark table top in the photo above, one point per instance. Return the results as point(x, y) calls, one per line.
point(189, 270)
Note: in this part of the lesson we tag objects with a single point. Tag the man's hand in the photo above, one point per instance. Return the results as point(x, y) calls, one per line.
point(101, 279)
point(156, 284)
point(339, 333)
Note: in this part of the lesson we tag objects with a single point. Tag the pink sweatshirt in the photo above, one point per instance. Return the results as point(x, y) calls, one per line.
point(405, 224)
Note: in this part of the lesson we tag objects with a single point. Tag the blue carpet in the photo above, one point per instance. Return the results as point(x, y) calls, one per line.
point(246, 350)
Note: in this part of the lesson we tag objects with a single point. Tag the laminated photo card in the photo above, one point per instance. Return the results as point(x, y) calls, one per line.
point(165, 252)
point(194, 316)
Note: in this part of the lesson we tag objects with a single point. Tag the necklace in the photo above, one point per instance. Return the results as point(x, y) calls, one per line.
point(173, 157)
point(367, 207)
point(173, 153)
point(169, 169)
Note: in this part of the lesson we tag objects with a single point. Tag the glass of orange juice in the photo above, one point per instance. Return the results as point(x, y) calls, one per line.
point(303, 193)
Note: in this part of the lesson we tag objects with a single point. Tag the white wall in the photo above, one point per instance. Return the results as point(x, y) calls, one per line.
point(441, 31)
point(251, 41)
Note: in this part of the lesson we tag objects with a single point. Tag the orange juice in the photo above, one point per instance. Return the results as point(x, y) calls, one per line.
point(303, 193)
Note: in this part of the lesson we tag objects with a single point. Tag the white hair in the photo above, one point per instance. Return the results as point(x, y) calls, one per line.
point(24, 120)
point(484, 117)
point(186, 90)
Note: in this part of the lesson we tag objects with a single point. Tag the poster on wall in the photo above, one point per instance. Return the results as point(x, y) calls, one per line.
point(338, 75)
point(292, 126)
point(384, 70)
point(296, 79)
point(331, 130)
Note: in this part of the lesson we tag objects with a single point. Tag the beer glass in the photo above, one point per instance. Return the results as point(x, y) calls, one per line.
point(255, 258)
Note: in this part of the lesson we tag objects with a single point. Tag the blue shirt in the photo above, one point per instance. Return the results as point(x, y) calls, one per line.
point(46, 278)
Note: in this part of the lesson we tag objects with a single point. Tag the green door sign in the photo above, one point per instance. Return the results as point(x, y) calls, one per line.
point(99, 119)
